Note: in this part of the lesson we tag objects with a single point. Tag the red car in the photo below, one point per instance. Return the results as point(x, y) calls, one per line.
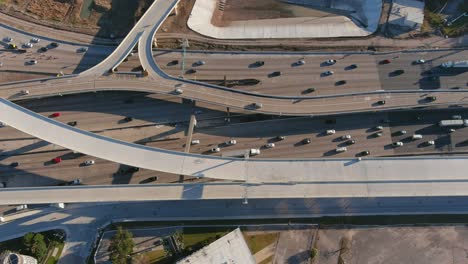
point(57, 160)
point(55, 114)
point(386, 61)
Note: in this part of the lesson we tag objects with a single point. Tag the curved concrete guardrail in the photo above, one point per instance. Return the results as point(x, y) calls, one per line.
point(251, 170)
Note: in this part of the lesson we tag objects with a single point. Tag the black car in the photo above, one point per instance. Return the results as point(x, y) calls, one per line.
point(275, 74)
point(14, 164)
point(259, 63)
point(306, 141)
point(44, 49)
point(191, 71)
point(133, 169)
point(72, 123)
point(431, 98)
point(172, 63)
point(381, 102)
point(351, 142)
point(128, 119)
point(54, 44)
point(352, 66)
point(398, 72)
point(280, 137)
point(364, 153)
point(342, 82)
point(309, 90)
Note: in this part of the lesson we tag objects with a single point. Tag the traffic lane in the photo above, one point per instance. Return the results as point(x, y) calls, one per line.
point(294, 79)
point(426, 124)
point(258, 134)
point(37, 169)
point(108, 110)
point(52, 61)
point(339, 104)
point(417, 76)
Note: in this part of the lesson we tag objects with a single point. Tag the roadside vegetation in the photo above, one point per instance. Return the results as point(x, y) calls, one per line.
point(121, 246)
point(435, 21)
point(46, 247)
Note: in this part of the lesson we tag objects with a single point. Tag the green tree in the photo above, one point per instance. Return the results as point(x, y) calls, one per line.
point(35, 245)
point(39, 247)
point(121, 246)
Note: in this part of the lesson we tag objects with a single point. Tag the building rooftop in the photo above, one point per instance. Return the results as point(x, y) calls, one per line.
point(229, 249)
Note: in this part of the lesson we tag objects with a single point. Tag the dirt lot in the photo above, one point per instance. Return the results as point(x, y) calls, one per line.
point(235, 10)
point(425, 245)
point(102, 18)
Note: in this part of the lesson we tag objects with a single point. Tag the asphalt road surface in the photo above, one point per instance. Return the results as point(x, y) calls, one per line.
point(160, 121)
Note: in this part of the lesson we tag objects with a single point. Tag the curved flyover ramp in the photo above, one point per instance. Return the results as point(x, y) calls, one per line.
point(378, 170)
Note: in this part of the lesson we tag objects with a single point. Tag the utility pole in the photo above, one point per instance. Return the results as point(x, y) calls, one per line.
point(185, 45)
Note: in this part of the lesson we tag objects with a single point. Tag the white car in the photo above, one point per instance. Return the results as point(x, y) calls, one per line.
point(231, 142)
point(28, 45)
point(300, 62)
point(215, 150)
point(270, 145)
point(430, 142)
point(420, 61)
point(397, 144)
point(178, 91)
point(195, 142)
point(379, 128)
point(331, 61)
point(330, 132)
point(35, 40)
point(346, 137)
point(89, 162)
point(254, 152)
point(342, 149)
point(24, 92)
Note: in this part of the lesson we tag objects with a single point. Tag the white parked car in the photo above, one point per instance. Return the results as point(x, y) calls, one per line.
point(420, 61)
point(24, 92)
point(195, 142)
point(397, 144)
point(35, 40)
point(300, 62)
point(331, 61)
point(330, 131)
point(178, 91)
point(378, 127)
point(270, 145)
point(28, 45)
point(231, 142)
point(430, 142)
point(89, 162)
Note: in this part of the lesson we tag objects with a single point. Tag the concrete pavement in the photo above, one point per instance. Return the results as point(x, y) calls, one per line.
point(82, 222)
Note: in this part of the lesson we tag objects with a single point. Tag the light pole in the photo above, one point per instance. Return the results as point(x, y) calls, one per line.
point(185, 45)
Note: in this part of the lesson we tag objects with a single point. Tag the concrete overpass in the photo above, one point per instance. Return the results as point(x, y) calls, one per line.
point(233, 169)
point(159, 82)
